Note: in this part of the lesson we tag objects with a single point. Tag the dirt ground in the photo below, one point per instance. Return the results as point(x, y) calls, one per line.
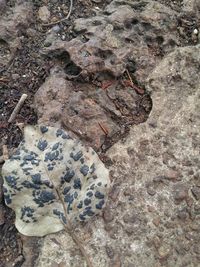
point(23, 69)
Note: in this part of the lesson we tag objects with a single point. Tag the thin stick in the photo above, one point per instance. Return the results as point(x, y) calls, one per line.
point(137, 89)
point(17, 108)
point(61, 20)
point(69, 229)
point(5, 152)
point(129, 76)
point(103, 128)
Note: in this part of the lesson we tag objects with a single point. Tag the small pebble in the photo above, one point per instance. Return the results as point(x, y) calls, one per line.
point(44, 14)
point(56, 28)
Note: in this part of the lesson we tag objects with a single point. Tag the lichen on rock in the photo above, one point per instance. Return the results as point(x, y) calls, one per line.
point(48, 164)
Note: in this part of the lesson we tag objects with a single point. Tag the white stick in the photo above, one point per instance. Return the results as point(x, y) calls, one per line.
point(17, 108)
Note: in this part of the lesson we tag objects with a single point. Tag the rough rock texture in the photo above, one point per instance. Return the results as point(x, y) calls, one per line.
point(12, 22)
point(50, 170)
point(152, 217)
point(90, 112)
point(126, 34)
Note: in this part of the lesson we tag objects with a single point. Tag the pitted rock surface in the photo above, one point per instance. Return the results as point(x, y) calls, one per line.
point(49, 164)
point(126, 34)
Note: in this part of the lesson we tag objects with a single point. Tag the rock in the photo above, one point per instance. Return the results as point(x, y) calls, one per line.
point(121, 36)
point(171, 154)
point(11, 24)
point(44, 13)
point(151, 191)
point(196, 192)
point(84, 109)
point(172, 132)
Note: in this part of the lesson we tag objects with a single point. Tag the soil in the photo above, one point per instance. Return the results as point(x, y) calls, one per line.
point(25, 73)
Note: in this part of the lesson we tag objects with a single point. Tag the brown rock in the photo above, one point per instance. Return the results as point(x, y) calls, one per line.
point(83, 110)
point(172, 175)
point(44, 13)
point(103, 49)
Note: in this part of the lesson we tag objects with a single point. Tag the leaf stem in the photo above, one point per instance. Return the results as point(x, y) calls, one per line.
point(68, 227)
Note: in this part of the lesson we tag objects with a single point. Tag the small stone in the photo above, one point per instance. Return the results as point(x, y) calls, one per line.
point(196, 192)
point(172, 175)
point(151, 191)
point(156, 221)
point(195, 31)
point(107, 216)
point(56, 28)
point(44, 14)
point(182, 215)
point(150, 208)
point(164, 251)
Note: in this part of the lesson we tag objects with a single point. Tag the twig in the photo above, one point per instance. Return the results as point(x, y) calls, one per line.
point(4, 79)
point(68, 227)
point(136, 88)
point(5, 152)
point(129, 76)
point(17, 108)
point(103, 128)
point(61, 20)
point(20, 125)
